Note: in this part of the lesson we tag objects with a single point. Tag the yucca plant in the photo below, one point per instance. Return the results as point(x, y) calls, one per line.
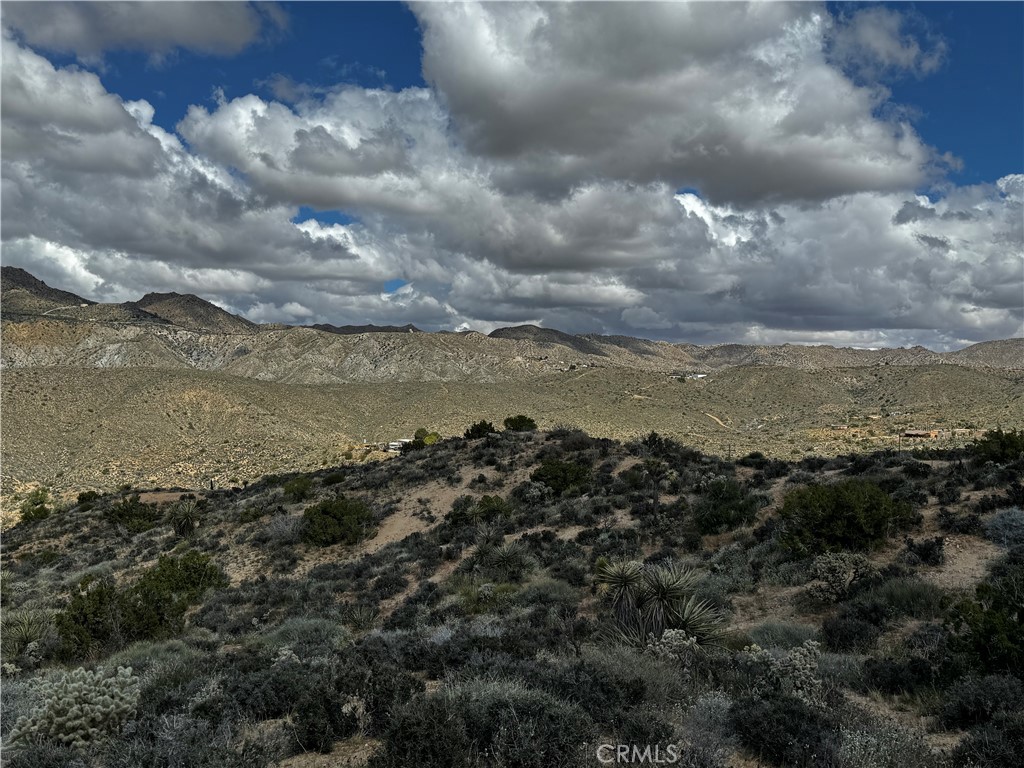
point(184, 517)
point(622, 582)
point(509, 561)
point(647, 600)
point(18, 629)
point(360, 617)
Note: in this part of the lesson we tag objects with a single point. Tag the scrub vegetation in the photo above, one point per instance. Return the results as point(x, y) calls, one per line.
point(520, 597)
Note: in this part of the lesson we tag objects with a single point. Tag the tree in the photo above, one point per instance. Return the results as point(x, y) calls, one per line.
point(480, 429)
point(851, 515)
point(520, 423)
point(337, 521)
point(34, 507)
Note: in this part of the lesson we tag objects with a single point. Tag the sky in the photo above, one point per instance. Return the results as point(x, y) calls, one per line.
point(840, 173)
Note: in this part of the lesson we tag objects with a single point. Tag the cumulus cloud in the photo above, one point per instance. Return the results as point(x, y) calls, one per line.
point(89, 29)
point(536, 182)
point(879, 41)
point(736, 100)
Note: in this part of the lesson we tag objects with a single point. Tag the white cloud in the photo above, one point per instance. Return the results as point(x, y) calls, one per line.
point(499, 213)
point(89, 29)
point(738, 100)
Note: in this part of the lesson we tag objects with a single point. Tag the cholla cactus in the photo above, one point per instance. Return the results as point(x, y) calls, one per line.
point(356, 707)
point(795, 673)
point(674, 644)
point(80, 706)
point(835, 573)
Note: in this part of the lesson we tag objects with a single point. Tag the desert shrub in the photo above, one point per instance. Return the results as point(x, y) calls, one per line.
point(298, 488)
point(782, 634)
point(725, 505)
point(988, 629)
point(997, 744)
point(178, 740)
point(334, 478)
point(520, 423)
point(973, 700)
point(998, 446)
point(562, 477)
point(886, 745)
point(479, 429)
point(44, 754)
point(79, 707)
point(783, 730)
point(894, 676)
point(133, 515)
point(952, 521)
point(36, 507)
point(850, 515)
point(926, 551)
point(1006, 528)
point(102, 617)
point(337, 521)
point(507, 722)
point(902, 597)
point(845, 632)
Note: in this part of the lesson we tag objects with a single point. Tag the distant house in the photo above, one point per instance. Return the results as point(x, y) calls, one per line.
point(395, 446)
point(922, 433)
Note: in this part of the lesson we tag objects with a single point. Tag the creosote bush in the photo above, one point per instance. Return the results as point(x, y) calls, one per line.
point(337, 521)
point(852, 515)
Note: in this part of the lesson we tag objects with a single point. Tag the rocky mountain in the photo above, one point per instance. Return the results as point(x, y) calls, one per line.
point(20, 291)
point(347, 330)
point(194, 314)
point(172, 389)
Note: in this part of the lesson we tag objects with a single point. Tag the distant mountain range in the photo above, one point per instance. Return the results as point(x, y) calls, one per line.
point(173, 390)
point(177, 331)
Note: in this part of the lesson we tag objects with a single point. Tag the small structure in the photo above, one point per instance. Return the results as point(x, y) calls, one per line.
point(395, 446)
point(921, 433)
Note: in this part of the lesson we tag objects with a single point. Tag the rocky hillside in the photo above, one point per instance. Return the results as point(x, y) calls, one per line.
point(194, 314)
point(522, 598)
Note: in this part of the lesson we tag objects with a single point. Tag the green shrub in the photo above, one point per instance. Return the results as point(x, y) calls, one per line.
point(998, 446)
point(337, 521)
point(845, 632)
point(784, 731)
point(725, 505)
point(80, 707)
point(101, 617)
point(509, 723)
point(520, 423)
point(988, 629)
point(480, 429)
point(133, 515)
point(974, 700)
point(997, 744)
point(564, 478)
point(35, 506)
point(299, 488)
point(850, 515)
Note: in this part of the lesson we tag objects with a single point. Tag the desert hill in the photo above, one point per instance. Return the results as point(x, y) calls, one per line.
point(172, 389)
point(547, 592)
point(194, 314)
